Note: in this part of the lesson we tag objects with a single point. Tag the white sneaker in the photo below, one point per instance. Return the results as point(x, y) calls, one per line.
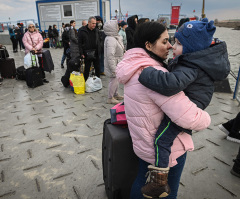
point(112, 101)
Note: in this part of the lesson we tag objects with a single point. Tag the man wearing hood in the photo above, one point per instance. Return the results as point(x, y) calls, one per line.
point(132, 23)
point(89, 46)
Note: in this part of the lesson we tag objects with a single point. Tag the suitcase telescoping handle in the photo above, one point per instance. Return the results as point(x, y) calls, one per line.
point(81, 69)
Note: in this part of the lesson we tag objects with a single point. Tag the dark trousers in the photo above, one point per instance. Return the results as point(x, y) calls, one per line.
point(14, 43)
point(166, 134)
point(88, 65)
point(21, 46)
point(40, 61)
point(164, 138)
point(174, 177)
point(102, 63)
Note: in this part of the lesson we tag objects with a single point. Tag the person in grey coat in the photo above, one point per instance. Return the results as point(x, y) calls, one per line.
point(73, 40)
point(113, 53)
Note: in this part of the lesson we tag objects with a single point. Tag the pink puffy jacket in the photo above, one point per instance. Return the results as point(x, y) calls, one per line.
point(32, 40)
point(145, 109)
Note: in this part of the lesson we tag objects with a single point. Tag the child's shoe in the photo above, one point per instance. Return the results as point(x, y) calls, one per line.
point(236, 168)
point(157, 186)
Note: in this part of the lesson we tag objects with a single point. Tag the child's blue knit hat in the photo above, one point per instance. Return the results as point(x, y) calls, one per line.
point(195, 35)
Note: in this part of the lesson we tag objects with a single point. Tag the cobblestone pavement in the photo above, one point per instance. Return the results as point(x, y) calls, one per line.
point(50, 143)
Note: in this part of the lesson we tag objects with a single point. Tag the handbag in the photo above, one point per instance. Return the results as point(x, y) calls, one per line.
point(90, 54)
point(118, 115)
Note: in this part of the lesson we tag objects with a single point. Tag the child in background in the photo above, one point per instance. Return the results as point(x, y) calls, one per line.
point(193, 70)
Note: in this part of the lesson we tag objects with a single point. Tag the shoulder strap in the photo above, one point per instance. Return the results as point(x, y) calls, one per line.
point(120, 44)
point(32, 41)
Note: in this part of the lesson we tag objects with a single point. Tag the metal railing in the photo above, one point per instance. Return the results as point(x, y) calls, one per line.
point(236, 94)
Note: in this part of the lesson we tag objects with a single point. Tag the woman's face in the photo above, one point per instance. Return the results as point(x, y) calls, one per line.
point(177, 48)
point(31, 28)
point(74, 24)
point(161, 47)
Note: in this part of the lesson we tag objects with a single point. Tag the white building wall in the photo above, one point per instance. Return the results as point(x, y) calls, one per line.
point(53, 12)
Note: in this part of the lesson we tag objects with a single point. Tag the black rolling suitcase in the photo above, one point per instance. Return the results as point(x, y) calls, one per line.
point(119, 162)
point(47, 61)
point(34, 77)
point(7, 65)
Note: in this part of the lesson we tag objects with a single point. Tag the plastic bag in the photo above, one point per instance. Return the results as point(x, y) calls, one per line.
point(77, 82)
point(93, 84)
point(30, 60)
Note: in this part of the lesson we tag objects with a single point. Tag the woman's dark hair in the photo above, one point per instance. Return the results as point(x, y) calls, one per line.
point(148, 32)
point(50, 27)
point(72, 21)
point(67, 25)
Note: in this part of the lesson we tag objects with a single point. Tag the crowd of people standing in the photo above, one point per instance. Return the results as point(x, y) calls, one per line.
point(103, 47)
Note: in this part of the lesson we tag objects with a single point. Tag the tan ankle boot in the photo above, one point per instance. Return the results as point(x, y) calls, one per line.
point(118, 97)
point(156, 185)
point(112, 101)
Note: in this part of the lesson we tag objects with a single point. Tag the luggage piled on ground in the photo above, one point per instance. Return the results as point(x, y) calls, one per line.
point(21, 73)
point(74, 77)
point(7, 69)
point(33, 72)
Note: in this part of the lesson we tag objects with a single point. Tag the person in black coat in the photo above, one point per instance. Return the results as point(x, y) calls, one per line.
point(50, 35)
point(44, 35)
point(132, 24)
point(17, 32)
point(66, 41)
point(89, 43)
point(55, 35)
point(102, 37)
point(20, 26)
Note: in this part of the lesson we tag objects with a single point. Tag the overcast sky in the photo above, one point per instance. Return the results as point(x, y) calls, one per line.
point(214, 9)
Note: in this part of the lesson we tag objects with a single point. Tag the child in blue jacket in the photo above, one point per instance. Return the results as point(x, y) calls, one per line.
point(195, 67)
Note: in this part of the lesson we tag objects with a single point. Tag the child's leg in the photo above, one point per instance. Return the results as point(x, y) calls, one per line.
point(164, 138)
point(157, 186)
